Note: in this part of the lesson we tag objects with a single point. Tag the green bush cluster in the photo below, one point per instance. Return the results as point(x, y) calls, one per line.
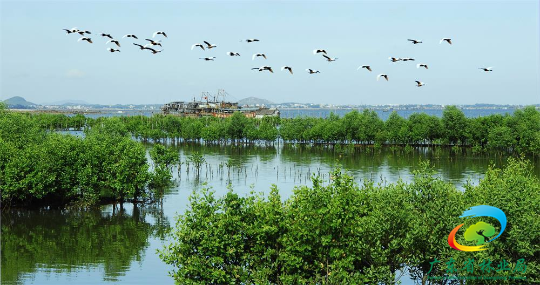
point(343, 233)
point(39, 167)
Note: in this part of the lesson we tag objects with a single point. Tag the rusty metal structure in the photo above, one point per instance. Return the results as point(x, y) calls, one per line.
point(210, 105)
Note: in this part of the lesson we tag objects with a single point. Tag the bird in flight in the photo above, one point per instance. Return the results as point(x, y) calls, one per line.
point(287, 68)
point(415, 41)
point(311, 71)
point(365, 66)
point(197, 45)
point(486, 69)
point(83, 32)
point(154, 43)
point(159, 33)
point(70, 31)
point(448, 40)
point(252, 40)
point(113, 50)
point(316, 51)
point(263, 68)
point(258, 55)
point(208, 58)
point(382, 75)
point(85, 39)
point(407, 59)
point(329, 59)
point(419, 83)
point(154, 51)
point(233, 53)
point(107, 35)
point(113, 41)
point(422, 65)
point(130, 36)
point(209, 45)
point(140, 46)
point(394, 59)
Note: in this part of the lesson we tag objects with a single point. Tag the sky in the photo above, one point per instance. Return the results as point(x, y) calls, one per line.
point(42, 64)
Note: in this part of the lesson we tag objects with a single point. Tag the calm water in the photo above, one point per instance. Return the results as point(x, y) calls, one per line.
point(118, 245)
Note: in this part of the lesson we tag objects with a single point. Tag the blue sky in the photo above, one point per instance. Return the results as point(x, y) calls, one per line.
point(42, 64)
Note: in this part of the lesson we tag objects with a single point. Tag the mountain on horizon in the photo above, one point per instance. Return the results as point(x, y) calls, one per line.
point(68, 102)
point(19, 102)
point(254, 101)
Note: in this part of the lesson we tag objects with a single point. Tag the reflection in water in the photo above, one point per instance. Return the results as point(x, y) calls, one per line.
point(68, 241)
point(108, 244)
point(290, 164)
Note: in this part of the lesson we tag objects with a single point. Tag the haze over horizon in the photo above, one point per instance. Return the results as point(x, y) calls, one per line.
point(42, 64)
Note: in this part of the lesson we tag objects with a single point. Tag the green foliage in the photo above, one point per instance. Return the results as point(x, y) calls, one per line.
point(454, 125)
point(162, 155)
point(163, 158)
point(518, 133)
point(343, 233)
point(516, 191)
point(47, 168)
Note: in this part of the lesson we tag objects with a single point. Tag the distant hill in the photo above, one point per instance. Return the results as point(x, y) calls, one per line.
point(254, 101)
point(68, 102)
point(18, 102)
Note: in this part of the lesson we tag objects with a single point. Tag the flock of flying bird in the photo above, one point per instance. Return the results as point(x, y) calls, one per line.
point(208, 46)
point(149, 46)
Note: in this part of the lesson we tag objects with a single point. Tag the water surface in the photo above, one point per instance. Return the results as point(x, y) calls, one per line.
point(117, 245)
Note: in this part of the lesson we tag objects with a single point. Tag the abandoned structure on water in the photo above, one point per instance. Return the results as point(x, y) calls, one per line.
point(212, 106)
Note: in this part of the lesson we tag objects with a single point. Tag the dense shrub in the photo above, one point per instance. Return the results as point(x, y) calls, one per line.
point(343, 233)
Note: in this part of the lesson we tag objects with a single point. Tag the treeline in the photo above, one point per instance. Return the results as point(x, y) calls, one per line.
point(519, 132)
point(343, 233)
point(39, 167)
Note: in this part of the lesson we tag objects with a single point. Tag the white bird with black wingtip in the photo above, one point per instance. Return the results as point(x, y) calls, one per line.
point(419, 83)
point(85, 39)
point(288, 68)
point(448, 40)
point(130, 36)
point(263, 68)
point(154, 51)
point(154, 43)
point(114, 42)
point(159, 33)
point(83, 32)
point(197, 45)
point(385, 76)
point(329, 59)
point(258, 55)
point(209, 45)
point(312, 71)
point(364, 66)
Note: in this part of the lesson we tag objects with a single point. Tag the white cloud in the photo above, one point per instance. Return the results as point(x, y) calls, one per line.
point(74, 73)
